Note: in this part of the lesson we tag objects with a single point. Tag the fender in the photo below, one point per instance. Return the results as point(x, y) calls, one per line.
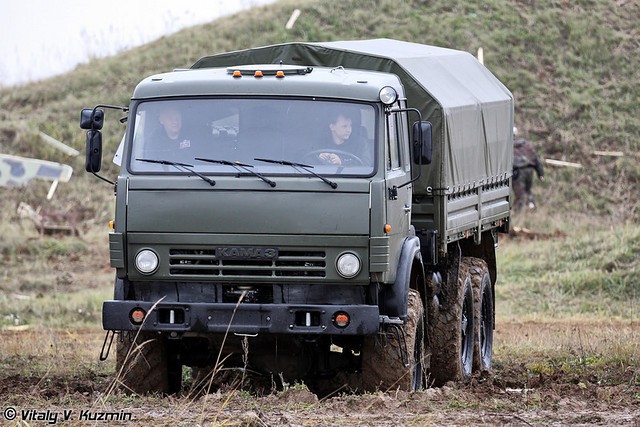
point(395, 296)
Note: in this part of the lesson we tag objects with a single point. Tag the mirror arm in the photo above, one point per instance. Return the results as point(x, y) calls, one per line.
point(104, 179)
point(113, 107)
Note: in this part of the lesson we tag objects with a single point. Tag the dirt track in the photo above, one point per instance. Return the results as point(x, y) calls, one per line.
point(510, 395)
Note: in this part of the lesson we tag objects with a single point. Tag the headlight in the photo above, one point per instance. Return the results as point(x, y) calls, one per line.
point(348, 265)
point(146, 261)
point(388, 95)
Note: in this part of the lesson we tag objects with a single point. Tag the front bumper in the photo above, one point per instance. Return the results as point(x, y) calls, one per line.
point(241, 318)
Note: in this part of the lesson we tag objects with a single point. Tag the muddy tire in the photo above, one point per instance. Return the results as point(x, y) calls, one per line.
point(451, 330)
point(483, 317)
point(384, 358)
point(144, 364)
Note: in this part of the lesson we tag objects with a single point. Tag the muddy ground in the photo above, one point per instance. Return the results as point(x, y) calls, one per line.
point(62, 377)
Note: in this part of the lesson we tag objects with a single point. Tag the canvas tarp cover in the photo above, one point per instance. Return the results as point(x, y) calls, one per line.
point(470, 109)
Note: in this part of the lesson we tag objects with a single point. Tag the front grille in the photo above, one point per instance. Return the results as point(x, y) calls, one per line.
point(289, 263)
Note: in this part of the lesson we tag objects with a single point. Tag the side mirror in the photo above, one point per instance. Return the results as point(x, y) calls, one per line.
point(90, 120)
point(93, 160)
point(422, 149)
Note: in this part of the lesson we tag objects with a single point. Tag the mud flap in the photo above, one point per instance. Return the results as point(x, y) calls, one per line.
point(394, 301)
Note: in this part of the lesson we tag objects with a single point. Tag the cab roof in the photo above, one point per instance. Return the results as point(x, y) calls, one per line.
point(295, 80)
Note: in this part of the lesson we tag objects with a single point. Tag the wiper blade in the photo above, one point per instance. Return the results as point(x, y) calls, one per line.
point(239, 166)
point(307, 168)
point(180, 167)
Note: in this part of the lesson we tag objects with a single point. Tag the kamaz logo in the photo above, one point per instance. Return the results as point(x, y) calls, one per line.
point(246, 252)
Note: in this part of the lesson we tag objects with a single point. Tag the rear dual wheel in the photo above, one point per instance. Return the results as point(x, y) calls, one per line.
point(484, 314)
point(451, 329)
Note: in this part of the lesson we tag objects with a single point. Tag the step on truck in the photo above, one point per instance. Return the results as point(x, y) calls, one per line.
point(317, 212)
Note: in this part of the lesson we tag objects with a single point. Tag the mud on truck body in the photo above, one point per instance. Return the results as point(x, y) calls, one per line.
point(248, 250)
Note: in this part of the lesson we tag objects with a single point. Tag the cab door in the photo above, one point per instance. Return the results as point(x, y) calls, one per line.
point(398, 192)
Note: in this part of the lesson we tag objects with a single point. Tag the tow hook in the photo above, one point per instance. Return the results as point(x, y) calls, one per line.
point(106, 348)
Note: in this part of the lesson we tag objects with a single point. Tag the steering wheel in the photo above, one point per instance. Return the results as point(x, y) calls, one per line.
point(345, 156)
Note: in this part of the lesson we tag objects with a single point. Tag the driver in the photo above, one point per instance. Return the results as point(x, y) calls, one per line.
point(341, 127)
point(171, 140)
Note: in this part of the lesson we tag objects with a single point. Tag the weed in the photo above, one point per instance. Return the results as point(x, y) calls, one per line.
point(541, 368)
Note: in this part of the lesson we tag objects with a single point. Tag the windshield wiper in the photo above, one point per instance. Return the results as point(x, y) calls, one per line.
point(294, 165)
point(239, 166)
point(180, 167)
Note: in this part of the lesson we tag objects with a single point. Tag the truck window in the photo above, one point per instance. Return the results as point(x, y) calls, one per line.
point(402, 140)
point(393, 140)
point(336, 138)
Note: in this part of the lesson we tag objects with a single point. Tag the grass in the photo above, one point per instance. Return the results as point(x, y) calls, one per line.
point(589, 352)
point(44, 348)
point(567, 302)
point(54, 309)
point(534, 364)
point(571, 66)
point(53, 282)
point(577, 265)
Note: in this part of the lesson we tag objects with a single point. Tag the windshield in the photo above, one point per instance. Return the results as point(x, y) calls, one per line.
point(267, 135)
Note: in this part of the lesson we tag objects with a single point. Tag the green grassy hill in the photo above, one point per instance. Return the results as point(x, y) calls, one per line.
point(573, 67)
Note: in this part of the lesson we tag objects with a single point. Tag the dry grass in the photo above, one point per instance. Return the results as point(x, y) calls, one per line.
point(591, 271)
point(54, 351)
point(594, 347)
point(537, 366)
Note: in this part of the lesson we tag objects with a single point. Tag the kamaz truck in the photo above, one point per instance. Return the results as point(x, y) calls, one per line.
point(248, 234)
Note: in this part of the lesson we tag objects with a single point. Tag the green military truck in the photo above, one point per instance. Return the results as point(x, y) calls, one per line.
point(309, 211)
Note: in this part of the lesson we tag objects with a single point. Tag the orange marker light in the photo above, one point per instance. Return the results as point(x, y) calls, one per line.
point(387, 228)
point(280, 73)
point(112, 225)
point(341, 319)
point(258, 73)
point(137, 315)
point(237, 73)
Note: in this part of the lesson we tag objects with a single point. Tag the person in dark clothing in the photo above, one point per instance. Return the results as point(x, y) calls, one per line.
point(525, 162)
point(170, 141)
point(343, 147)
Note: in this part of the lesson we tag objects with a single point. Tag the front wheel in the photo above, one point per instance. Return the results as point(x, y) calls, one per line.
point(395, 359)
point(146, 364)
